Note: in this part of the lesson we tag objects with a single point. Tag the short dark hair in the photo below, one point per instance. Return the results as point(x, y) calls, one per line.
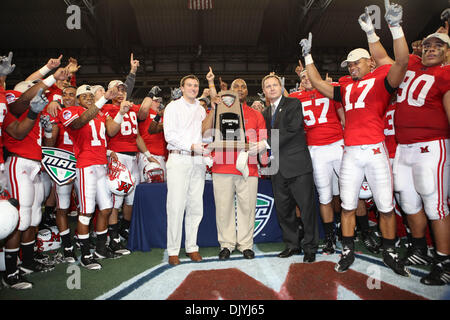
point(191, 76)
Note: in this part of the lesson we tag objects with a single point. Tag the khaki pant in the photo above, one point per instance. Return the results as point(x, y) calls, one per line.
point(235, 220)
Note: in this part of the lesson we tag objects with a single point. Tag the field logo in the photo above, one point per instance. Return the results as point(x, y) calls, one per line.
point(264, 205)
point(59, 164)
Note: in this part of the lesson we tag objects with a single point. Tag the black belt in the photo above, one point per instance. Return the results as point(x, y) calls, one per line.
point(133, 154)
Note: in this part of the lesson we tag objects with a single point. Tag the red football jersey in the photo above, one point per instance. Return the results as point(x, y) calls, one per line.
point(125, 139)
point(156, 143)
point(322, 124)
point(3, 111)
point(63, 140)
point(30, 146)
point(54, 94)
point(365, 102)
point(420, 114)
point(255, 130)
point(389, 130)
point(89, 142)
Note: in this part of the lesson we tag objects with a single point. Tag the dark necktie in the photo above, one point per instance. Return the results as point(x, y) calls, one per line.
point(274, 116)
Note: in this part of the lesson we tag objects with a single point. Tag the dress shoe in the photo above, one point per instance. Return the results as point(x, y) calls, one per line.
point(195, 256)
point(248, 254)
point(173, 260)
point(224, 254)
point(289, 252)
point(309, 257)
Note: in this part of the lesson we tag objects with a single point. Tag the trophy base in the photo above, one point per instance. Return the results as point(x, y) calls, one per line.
point(229, 145)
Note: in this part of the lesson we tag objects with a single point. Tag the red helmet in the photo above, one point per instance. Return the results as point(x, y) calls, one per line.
point(120, 181)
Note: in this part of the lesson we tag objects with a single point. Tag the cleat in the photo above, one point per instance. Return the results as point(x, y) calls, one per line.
point(105, 253)
point(417, 256)
point(16, 281)
point(124, 233)
point(370, 242)
point(390, 259)
point(42, 258)
point(69, 255)
point(35, 266)
point(117, 247)
point(439, 275)
point(347, 259)
point(90, 263)
point(330, 244)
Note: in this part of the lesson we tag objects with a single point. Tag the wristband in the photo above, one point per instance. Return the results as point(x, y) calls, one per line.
point(397, 32)
point(32, 115)
point(99, 104)
point(372, 38)
point(147, 154)
point(49, 81)
point(309, 59)
point(157, 118)
point(118, 118)
point(48, 135)
point(44, 70)
point(108, 153)
point(211, 85)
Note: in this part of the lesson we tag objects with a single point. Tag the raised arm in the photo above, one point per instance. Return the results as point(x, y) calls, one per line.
point(22, 104)
point(52, 63)
point(113, 125)
point(393, 16)
point(212, 88)
point(323, 86)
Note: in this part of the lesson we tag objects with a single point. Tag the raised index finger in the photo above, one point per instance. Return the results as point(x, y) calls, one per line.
point(386, 3)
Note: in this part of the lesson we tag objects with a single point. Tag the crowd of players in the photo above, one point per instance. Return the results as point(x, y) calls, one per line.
point(385, 125)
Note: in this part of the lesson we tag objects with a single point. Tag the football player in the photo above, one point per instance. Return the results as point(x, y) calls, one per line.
point(151, 128)
point(365, 96)
point(421, 166)
point(87, 127)
point(22, 138)
point(126, 144)
point(59, 138)
point(325, 139)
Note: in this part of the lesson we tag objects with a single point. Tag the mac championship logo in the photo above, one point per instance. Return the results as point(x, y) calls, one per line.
point(264, 205)
point(59, 164)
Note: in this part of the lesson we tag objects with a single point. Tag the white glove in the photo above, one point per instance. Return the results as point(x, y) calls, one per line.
point(5, 65)
point(39, 102)
point(306, 45)
point(394, 13)
point(445, 15)
point(365, 21)
point(46, 123)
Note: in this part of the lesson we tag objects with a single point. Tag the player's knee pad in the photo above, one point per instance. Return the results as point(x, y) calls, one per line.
point(84, 219)
point(424, 180)
point(24, 218)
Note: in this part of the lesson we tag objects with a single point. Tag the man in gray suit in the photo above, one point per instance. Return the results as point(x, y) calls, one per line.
point(293, 183)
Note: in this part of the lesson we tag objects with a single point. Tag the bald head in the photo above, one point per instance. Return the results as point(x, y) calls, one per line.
point(240, 86)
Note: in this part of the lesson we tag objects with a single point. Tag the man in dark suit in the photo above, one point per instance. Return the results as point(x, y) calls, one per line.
point(293, 182)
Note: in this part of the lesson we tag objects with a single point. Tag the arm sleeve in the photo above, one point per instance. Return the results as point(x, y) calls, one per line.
point(129, 82)
point(337, 94)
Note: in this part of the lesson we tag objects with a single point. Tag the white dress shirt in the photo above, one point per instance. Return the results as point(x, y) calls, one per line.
point(183, 124)
point(275, 105)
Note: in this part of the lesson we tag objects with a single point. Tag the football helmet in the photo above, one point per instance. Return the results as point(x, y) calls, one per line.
point(48, 239)
point(120, 180)
point(9, 214)
point(365, 192)
point(153, 173)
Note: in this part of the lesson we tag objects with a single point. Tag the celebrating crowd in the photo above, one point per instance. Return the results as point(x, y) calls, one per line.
point(383, 129)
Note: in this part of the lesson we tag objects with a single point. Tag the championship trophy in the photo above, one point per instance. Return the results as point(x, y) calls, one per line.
point(229, 129)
